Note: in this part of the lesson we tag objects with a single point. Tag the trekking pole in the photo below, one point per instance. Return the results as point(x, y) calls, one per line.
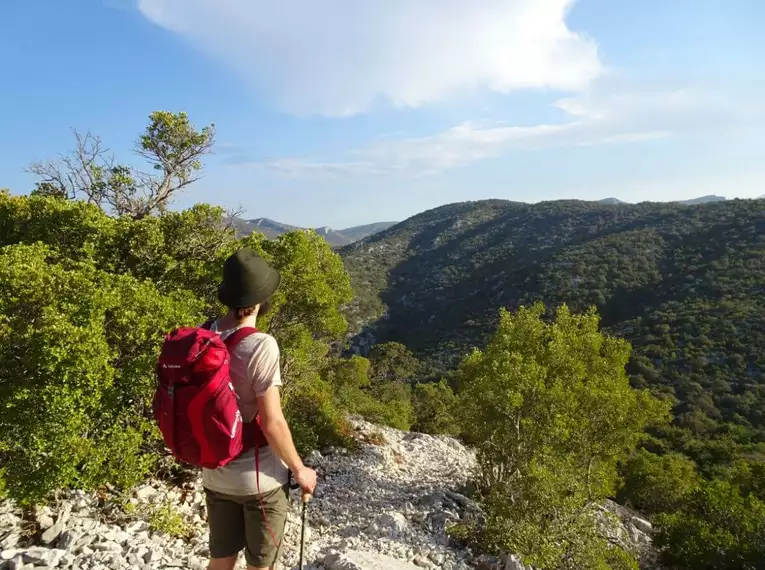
point(306, 500)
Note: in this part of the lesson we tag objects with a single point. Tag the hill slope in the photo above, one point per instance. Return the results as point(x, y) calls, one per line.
point(272, 229)
point(686, 285)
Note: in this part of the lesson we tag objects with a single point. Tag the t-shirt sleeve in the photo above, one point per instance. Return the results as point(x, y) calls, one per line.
point(264, 366)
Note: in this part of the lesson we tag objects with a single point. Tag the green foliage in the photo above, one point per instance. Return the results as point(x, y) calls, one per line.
point(682, 284)
point(49, 189)
point(388, 403)
point(552, 412)
point(748, 475)
point(86, 301)
point(394, 404)
point(77, 354)
point(435, 409)
point(658, 484)
point(166, 519)
point(718, 528)
point(392, 361)
point(173, 144)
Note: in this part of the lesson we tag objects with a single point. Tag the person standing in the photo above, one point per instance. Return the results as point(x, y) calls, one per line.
point(247, 506)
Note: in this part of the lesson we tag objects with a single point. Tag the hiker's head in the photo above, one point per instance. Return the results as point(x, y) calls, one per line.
point(248, 284)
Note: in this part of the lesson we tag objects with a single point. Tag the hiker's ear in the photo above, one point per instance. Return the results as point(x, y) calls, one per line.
point(264, 307)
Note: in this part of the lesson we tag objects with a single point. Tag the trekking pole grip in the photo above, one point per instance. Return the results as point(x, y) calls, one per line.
point(307, 498)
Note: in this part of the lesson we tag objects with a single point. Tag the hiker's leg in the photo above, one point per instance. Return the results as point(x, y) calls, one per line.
point(225, 515)
point(222, 563)
point(264, 536)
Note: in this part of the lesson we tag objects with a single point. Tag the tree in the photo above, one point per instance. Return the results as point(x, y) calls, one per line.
point(392, 361)
point(77, 353)
point(658, 483)
point(552, 412)
point(435, 409)
point(86, 301)
point(171, 145)
point(717, 529)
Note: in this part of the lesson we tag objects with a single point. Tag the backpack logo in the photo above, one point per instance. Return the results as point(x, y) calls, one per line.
point(237, 421)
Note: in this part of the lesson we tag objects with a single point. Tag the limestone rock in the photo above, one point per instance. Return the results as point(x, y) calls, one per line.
point(359, 560)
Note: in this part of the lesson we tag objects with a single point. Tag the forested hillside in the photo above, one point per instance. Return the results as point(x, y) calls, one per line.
point(683, 284)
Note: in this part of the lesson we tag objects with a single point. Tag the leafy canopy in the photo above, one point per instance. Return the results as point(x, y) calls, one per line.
point(551, 410)
point(86, 301)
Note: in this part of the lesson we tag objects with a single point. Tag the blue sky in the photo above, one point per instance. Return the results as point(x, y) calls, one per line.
point(341, 112)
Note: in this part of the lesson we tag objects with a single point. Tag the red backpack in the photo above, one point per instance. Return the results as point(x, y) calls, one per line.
point(195, 403)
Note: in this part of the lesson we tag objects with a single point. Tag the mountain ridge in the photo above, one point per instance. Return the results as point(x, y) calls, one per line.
point(273, 229)
point(683, 284)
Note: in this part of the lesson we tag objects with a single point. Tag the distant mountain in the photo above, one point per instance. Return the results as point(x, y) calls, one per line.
point(702, 200)
point(273, 229)
point(269, 228)
point(357, 233)
point(611, 201)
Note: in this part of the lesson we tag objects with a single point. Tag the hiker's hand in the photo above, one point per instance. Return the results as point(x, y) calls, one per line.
point(306, 478)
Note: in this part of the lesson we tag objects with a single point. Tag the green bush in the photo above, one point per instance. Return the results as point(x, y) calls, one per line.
point(394, 404)
point(386, 403)
point(718, 528)
point(435, 409)
point(165, 518)
point(552, 411)
point(86, 300)
point(657, 483)
point(77, 354)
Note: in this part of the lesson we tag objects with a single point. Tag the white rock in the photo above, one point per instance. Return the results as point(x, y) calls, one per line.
point(56, 529)
point(358, 560)
point(39, 556)
point(68, 539)
point(145, 492)
point(11, 540)
point(642, 524)
point(393, 521)
point(8, 554)
point(513, 562)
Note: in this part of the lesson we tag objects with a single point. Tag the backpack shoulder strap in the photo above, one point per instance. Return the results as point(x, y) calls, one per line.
point(238, 336)
point(208, 324)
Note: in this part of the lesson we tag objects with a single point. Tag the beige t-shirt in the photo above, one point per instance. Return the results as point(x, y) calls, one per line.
point(254, 370)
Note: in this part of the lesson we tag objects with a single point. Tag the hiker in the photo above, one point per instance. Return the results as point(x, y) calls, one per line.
point(247, 507)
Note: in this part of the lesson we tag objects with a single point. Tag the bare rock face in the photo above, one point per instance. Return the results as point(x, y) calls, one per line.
point(386, 507)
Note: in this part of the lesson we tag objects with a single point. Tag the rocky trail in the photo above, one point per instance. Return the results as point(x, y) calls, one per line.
point(385, 507)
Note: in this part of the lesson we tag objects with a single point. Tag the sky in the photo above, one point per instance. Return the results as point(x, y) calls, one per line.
point(345, 112)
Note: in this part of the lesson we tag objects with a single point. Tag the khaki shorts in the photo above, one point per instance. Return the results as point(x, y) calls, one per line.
point(236, 523)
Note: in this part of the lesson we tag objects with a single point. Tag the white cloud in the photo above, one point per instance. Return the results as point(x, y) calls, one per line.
point(339, 57)
point(591, 119)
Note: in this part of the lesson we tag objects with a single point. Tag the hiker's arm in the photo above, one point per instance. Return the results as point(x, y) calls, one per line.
point(276, 430)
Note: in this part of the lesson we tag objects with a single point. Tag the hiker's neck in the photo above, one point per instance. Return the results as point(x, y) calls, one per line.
point(230, 321)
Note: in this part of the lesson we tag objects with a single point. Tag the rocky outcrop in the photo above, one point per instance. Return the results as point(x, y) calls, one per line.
point(385, 507)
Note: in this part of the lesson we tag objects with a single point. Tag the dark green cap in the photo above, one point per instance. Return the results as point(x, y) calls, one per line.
point(247, 280)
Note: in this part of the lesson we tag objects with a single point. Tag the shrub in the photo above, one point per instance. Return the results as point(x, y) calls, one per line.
point(657, 483)
point(387, 403)
point(435, 409)
point(552, 412)
point(77, 354)
point(718, 528)
point(165, 518)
